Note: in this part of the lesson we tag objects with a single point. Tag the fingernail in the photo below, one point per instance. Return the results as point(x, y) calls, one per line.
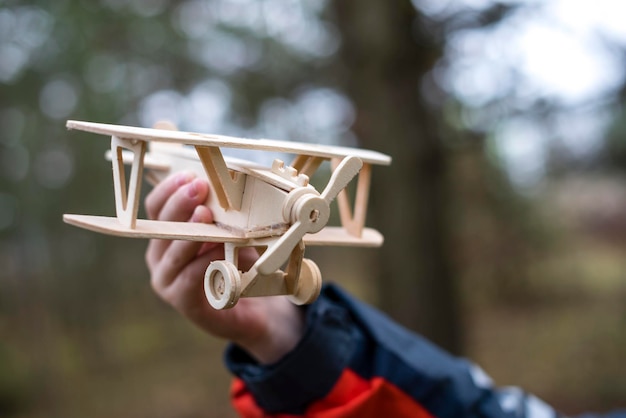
point(192, 190)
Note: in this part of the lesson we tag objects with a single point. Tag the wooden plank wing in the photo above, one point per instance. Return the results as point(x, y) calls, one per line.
point(208, 140)
point(188, 231)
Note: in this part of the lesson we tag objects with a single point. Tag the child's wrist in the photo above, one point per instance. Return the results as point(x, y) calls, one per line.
point(285, 328)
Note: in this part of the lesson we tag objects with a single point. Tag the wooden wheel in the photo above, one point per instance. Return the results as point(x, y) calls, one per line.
point(222, 284)
point(309, 283)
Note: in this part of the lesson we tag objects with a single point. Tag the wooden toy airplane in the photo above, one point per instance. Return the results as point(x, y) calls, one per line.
point(273, 209)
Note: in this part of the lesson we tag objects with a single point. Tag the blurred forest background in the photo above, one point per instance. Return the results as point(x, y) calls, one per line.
point(504, 210)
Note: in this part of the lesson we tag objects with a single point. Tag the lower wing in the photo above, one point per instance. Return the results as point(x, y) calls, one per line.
point(190, 231)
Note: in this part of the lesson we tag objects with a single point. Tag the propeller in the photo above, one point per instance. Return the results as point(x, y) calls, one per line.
point(309, 213)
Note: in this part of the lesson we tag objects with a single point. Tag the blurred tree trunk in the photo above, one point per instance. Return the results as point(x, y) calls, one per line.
point(384, 58)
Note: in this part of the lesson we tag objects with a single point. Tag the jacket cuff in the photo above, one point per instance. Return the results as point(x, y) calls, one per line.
point(307, 373)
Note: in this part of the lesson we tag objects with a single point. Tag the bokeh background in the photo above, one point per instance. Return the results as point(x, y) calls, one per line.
point(504, 210)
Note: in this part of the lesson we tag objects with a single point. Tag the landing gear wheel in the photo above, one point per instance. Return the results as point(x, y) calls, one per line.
point(309, 284)
point(222, 284)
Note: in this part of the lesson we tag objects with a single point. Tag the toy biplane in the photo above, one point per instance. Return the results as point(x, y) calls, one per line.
point(273, 209)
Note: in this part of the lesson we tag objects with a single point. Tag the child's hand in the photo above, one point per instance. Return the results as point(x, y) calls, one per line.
point(266, 327)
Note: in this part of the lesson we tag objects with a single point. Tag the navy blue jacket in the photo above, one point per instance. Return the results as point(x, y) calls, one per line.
point(354, 361)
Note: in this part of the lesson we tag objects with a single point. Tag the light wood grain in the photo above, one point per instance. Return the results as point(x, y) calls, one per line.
point(144, 228)
point(198, 139)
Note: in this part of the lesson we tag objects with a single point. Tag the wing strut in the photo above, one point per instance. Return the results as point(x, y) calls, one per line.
point(307, 164)
point(228, 186)
point(354, 222)
point(127, 201)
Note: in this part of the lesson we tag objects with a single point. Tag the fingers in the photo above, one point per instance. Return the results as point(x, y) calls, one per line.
point(177, 258)
point(181, 204)
point(167, 259)
point(157, 198)
point(184, 202)
point(187, 288)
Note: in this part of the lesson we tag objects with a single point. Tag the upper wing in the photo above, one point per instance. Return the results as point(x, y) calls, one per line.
point(206, 140)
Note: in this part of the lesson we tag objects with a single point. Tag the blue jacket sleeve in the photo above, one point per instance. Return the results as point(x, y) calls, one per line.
point(353, 361)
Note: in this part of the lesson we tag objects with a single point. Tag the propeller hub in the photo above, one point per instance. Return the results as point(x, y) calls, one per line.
point(292, 198)
point(311, 211)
